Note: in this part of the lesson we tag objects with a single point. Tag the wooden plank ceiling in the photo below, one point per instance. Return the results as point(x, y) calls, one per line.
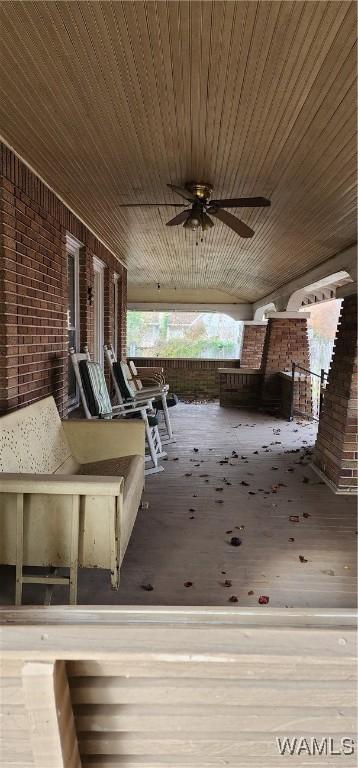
point(109, 102)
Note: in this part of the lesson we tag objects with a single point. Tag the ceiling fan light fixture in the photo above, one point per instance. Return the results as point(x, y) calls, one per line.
point(192, 222)
point(206, 222)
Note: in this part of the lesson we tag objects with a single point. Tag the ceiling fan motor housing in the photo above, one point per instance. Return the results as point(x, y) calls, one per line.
point(202, 190)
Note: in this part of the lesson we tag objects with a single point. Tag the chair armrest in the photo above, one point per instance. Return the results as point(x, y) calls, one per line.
point(94, 440)
point(150, 392)
point(93, 485)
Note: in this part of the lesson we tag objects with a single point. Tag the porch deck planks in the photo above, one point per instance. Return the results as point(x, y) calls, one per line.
point(168, 548)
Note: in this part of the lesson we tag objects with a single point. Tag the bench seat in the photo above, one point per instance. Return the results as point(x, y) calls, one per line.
point(52, 463)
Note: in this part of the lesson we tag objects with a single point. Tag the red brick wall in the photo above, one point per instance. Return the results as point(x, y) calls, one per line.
point(252, 345)
point(33, 288)
point(286, 341)
point(336, 450)
point(190, 379)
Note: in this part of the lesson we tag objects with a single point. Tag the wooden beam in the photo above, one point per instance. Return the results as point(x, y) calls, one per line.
point(48, 704)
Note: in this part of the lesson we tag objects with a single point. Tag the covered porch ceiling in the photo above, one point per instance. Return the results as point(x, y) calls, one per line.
point(110, 102)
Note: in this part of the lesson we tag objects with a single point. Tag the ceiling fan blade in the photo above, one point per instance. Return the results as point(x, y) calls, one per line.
point(241, 202)
point(180, 218)
point(183, 193)
point(233, 222)
point(151, 205)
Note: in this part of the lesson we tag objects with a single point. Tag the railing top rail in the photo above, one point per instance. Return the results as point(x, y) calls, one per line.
point(313, 373)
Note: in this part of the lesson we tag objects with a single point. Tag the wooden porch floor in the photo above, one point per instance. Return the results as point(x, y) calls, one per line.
point(181, 546)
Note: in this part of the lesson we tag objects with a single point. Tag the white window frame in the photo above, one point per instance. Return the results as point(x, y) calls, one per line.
point(116, 313)
point(73, 249)
point(98, 268)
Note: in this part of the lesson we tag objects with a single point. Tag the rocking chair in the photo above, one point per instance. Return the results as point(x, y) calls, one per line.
point(96, 405)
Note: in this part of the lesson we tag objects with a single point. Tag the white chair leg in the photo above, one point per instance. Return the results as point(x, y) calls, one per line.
point(152, 450)
point(151, 446)
point(167, 417)
point(160, 453)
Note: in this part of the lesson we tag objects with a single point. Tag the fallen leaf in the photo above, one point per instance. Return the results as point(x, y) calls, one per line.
point(251, 592)
point(294, 519)
point(306, 514)
point(188, 474)
point(235, 541)
point(233, 599)
point(328, 572)
point(227, 583)
point(302, 559)
point(196, 450)
point(291, 539)
point(188, 584)
point(243, 482)
point(148, 587)
point(263, 599)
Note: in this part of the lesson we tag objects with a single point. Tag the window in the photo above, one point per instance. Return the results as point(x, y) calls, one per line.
point(98, 306)
point(73, 319)
point(183, 334)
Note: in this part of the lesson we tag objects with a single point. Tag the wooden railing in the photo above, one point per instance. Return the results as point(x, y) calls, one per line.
point(172, 686)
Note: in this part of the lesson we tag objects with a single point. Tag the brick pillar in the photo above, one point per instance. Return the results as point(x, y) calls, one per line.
point(252, 344)
point(286, 341)
point(336, 451)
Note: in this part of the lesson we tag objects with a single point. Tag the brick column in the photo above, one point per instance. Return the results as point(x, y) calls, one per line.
point(286, 341)
point(252, 344)
point(336, 451)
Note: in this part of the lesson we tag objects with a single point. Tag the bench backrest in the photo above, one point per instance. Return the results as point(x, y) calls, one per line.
point(32, 440)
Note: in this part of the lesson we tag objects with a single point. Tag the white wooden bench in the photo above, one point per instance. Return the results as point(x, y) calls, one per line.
point(69, 492)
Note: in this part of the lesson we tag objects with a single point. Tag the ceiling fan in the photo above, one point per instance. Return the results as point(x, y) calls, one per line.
point(201, 206)
point(197, 216)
